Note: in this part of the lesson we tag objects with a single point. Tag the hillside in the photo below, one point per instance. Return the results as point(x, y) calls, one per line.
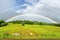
point(29, 31)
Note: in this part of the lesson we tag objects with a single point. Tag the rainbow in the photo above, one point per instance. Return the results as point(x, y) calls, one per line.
point(30, 15)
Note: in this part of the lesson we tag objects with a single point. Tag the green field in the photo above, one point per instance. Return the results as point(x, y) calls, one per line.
point(29, 31)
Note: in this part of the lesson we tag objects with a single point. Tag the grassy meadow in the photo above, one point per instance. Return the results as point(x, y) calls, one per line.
point(27, 31)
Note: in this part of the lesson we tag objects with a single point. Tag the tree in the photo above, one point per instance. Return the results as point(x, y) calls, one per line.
point(23, 23)
point(4, 24)
point(2, 21)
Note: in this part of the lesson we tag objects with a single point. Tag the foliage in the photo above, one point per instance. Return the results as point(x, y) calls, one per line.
point(23, 22)
point(3, 23)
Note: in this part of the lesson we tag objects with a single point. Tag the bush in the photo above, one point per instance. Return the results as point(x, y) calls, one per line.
point(3, 23)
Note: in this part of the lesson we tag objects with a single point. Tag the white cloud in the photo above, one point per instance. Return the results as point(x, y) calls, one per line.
point(49, 8)
point(33, 9)
point(6, 4)
point(45, 6)
point(32, 1)
point(37, 8)
point(52, 3)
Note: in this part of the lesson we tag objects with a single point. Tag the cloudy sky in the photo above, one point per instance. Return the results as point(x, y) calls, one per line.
point(49, 8)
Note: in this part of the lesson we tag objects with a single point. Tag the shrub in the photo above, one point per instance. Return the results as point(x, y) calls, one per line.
point(4, 24)
point(1, 21)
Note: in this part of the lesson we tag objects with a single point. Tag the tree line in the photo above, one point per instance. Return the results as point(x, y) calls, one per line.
point(23, 22)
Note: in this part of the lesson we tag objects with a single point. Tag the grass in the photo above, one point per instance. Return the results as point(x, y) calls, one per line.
point(29, 31)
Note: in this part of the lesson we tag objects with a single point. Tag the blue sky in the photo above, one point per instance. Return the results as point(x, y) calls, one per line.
point(49, 8)
point(21, 2)
point(7, 4)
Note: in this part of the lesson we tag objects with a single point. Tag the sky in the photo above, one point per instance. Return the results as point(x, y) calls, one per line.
point(32, 17)
point(49, 8)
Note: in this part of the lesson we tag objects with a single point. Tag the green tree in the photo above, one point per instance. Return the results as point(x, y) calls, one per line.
point(3, 23)
point(23, 23)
